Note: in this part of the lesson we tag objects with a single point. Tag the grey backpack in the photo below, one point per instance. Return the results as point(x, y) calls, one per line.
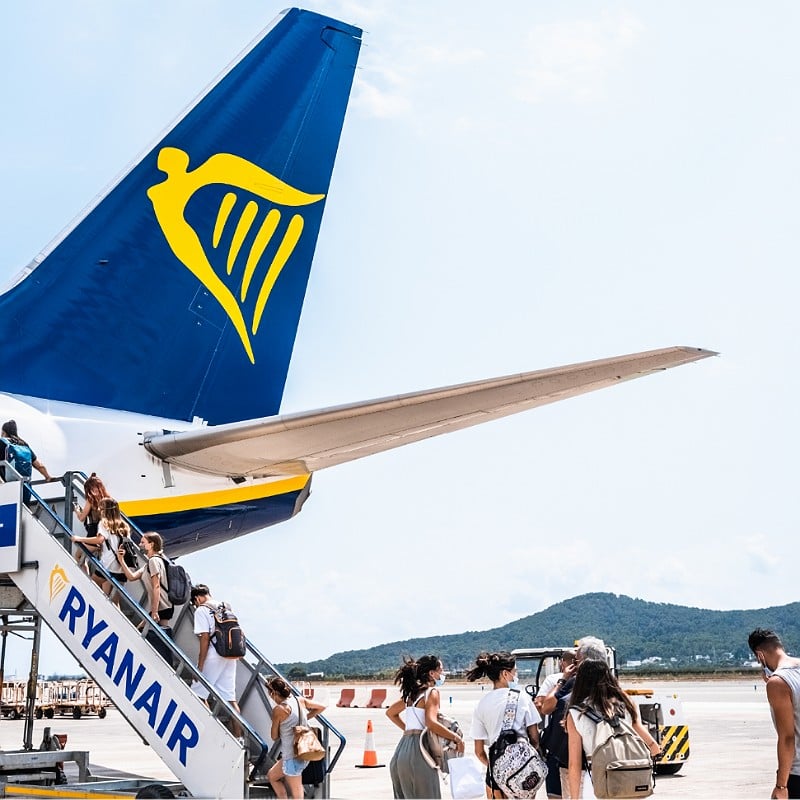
point(621, 765)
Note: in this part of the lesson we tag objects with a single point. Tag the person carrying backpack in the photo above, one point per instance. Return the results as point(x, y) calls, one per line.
point(18, 453)
point(597, 709)
point(154, 576)
point(219, 671)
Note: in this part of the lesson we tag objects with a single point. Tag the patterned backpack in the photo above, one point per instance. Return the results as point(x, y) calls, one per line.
point(517, 767)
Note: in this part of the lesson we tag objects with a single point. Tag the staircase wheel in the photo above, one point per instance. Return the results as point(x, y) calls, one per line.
point(157, 790)
point(76, 712)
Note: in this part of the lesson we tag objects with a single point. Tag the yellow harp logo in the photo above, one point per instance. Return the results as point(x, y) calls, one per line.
point(58, 581)
point(170, 198)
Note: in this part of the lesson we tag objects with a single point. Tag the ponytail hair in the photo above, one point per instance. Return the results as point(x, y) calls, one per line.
point(415, 676)
point(279, 686)
point(490, 665)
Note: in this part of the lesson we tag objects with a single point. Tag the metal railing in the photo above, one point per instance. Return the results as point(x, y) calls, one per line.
point(256, 665)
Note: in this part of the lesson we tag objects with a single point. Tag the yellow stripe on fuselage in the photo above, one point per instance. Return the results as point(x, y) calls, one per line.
point(222, 497)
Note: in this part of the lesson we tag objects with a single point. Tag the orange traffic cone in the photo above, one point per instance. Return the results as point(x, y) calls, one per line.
point(370, 760)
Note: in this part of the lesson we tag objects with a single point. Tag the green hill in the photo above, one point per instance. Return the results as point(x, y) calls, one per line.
point(636, 628)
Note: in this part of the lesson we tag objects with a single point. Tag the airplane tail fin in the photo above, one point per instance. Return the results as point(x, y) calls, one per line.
point(179, 293)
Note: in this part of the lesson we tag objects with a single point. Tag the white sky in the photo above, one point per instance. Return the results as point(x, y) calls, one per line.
point(516, 188)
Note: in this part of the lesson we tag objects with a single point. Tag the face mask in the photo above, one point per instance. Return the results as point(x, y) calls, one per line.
point(513, 684)
point(439, 681)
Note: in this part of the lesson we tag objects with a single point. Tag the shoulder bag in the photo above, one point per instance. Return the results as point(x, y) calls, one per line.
point(438, 750)
point(306, 745)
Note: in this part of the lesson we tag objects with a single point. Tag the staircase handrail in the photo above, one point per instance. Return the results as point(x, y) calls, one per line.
point(261, 660)
point(220, 707)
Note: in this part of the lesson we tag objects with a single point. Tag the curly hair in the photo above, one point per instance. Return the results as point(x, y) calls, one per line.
point(415, 676)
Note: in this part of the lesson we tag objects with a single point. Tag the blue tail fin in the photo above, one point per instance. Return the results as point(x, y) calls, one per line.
point(179, 293)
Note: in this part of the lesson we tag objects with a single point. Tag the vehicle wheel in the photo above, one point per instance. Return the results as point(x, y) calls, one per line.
point(49, 713)
point(76, 713)
point(39, 713)
point(101, 712)
point(668, 769)
point(154, 790)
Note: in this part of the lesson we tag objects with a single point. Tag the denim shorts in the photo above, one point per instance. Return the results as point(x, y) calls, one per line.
point(292, 767)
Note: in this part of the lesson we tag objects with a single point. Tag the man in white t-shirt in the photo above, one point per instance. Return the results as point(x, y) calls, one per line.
point(220, 672)
point(550, 683)
point(545, 702)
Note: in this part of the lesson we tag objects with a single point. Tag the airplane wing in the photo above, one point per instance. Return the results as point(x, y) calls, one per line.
point(295, 444)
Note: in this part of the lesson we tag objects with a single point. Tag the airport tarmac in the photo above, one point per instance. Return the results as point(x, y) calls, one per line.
point(731, 734)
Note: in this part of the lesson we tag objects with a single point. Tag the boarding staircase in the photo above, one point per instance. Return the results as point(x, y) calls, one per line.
point(126, 653)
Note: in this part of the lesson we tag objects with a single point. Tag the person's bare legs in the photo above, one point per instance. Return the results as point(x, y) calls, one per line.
point(276, 777)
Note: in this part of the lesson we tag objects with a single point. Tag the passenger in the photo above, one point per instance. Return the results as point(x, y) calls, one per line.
point(782, 676)
point(23, 457)
point(94, 491)
point(99, 546)
point(154, 573)
point(554, 738)
point(417, 709)
point(567, 667)
point(487, 719)
point(285, 715)
point(596, 687)
point(113, 529)
point(555, 704)
point(220, 672)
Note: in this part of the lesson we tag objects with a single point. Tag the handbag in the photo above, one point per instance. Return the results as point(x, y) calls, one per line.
point(517, 767)
point(437, 751)
point(306, 744)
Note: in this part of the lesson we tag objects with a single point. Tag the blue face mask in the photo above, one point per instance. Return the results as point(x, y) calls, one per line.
point(513, 684)
point(439, 681)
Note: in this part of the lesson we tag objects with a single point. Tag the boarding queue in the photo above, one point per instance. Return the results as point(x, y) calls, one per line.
point(594, 744)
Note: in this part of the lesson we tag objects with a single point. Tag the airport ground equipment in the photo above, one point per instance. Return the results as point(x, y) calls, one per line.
point(145, 673)
point(662, 714)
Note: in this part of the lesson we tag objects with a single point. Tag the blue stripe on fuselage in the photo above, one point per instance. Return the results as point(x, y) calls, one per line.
point(196, 529)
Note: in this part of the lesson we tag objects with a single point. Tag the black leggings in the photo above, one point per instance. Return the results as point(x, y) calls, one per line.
point(793, 784)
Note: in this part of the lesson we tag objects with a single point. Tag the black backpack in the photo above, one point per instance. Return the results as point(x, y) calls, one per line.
point(179, 584)
point(228, 637)
point(129, 553)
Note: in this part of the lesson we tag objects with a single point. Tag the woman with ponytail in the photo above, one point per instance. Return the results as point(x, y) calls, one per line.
point(487, 720)
point(417, 709)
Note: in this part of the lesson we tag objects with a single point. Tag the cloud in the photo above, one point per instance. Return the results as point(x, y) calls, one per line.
point(453, 55)
point(761, 557)
point(573, 60)
point(385, 102)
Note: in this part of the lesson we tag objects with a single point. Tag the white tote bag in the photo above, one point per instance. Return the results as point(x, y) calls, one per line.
point(467, 778)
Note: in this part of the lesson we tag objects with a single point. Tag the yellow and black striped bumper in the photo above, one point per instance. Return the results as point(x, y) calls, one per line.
point(674, 744)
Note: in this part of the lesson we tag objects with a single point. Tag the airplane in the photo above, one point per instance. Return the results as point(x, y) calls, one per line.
point(159, 327)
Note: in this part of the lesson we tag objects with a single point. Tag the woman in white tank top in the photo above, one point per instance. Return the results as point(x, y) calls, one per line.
point(417, 709)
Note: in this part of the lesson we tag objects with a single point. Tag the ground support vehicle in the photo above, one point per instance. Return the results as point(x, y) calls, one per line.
point(661, 713)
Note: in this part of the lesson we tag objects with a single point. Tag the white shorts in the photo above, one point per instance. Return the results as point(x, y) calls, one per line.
point(221, 674)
